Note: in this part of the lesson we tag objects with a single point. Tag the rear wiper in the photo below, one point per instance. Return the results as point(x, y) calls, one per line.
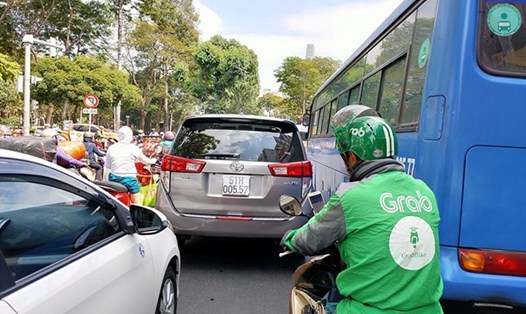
point(221, 155)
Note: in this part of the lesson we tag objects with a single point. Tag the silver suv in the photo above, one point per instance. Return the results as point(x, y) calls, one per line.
point(225, 173)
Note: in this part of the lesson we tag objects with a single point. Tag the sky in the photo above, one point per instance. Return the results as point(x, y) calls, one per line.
point(277, 29)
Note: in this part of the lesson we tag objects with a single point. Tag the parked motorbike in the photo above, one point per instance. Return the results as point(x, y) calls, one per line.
point(314, 288)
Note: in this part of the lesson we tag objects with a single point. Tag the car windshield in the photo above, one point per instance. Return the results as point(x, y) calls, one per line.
point(243, 141)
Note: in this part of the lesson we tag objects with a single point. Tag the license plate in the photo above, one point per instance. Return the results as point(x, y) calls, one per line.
point(236, 185)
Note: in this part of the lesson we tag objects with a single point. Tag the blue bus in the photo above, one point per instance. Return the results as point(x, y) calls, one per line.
point(450, 75)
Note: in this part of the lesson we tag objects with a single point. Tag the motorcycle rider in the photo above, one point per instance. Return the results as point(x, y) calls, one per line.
point(91, 151)
point(120, 161)
point(61, 157)
point(383, 222)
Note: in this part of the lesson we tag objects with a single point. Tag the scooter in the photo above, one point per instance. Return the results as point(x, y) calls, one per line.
point(120, 191)
point(314, 288)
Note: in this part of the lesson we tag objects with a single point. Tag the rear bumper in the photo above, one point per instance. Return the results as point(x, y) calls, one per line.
point(482, 290)
point(236, 227)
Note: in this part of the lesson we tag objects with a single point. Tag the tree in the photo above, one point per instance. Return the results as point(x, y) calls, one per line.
point(226, 79)
point(299, 79)
point(164, 38)
point(271, 103)
point(66, 82)
point(10, 104)
point(77, 24)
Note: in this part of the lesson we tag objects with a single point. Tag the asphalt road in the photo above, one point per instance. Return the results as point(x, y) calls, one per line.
point(242, 276)
point(231, 276)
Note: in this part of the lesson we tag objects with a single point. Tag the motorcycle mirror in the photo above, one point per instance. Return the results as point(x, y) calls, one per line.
point(158, 149)
point(290, 205)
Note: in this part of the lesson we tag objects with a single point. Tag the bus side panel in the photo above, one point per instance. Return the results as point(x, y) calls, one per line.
point(494, 220)
point(478, 172)
point(328, 168)
point(440, 160)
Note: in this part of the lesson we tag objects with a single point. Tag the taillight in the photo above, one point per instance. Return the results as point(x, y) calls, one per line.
point(493, 262)
point(291, 169)
point(180, 164)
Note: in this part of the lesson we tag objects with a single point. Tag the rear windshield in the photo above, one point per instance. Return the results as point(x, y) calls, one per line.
point(502, 37)
point(238, 141)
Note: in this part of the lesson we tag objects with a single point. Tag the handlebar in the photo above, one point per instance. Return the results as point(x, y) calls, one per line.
point(285, 253)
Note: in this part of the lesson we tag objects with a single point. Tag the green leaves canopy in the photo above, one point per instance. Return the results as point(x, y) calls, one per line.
point(299, 79)
point(67, 81)
point(227, 79)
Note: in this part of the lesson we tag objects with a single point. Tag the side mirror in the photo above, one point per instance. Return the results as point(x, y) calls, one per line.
point(290, 205)
point(305, 119)
point(158, 149)
point(147, 220)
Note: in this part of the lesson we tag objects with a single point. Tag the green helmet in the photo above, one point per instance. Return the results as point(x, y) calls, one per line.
point(343, 118)
point(372, 138)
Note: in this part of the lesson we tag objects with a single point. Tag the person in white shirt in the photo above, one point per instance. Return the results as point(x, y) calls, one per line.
point(154, 133)
point(120, 161)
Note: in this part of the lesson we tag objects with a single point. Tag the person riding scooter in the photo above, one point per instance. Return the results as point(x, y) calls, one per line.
point(120, 161)
point(373, 220)
point(91, 151)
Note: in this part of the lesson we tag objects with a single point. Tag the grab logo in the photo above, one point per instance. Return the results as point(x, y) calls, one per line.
point(412, 243)
point(404, 203)
point(357, 132)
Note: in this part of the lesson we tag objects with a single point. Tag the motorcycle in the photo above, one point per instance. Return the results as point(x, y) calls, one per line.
point(145, 174)
point(314, 288)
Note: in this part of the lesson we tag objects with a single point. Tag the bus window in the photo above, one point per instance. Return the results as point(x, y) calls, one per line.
point(324, 117)
point(371, 87)
point(334, 108)
point(418, 62)
point(354, 98)
point(314, 128)
point(343, 100)
point(392, 86)
point(502, 38)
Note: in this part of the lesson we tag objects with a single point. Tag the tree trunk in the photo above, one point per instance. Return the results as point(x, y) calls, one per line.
point(65, 110)
point(49, 114)
point(166, 117)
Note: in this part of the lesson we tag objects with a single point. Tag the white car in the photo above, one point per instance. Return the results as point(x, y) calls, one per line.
point(67, 246)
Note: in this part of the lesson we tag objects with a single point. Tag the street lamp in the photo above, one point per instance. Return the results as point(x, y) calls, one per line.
point(28, 40)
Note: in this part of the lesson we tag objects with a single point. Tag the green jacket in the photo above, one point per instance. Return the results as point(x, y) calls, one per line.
point(385, 226)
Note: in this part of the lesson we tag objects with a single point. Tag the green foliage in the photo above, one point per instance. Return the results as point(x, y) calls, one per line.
point(9, 70)
point(77, 24)
point(10, 104)
point(226, 78)
point(164, 38)
point(271, 102)
point(299, 79)
point(66, 82)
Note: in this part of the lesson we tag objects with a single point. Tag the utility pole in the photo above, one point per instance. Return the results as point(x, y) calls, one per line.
point(28, 40)
point(117, 113)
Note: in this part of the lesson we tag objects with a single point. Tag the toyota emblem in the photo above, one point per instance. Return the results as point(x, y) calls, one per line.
point(237, 166)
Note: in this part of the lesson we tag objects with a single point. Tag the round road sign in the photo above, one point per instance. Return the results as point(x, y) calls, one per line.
point(91, 101)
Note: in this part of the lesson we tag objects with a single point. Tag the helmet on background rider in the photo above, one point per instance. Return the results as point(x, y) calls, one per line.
point(372, 138)
point(168, 135)
point(341, 121)
point(48, 133)
point(88, 136)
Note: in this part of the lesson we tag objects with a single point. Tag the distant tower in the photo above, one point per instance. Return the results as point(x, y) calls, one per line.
point(311, 52)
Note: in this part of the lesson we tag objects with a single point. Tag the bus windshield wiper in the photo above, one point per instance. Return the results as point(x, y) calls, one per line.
point(221, 155)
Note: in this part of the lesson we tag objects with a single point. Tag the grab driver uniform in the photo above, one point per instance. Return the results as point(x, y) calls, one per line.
point(385, 225)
